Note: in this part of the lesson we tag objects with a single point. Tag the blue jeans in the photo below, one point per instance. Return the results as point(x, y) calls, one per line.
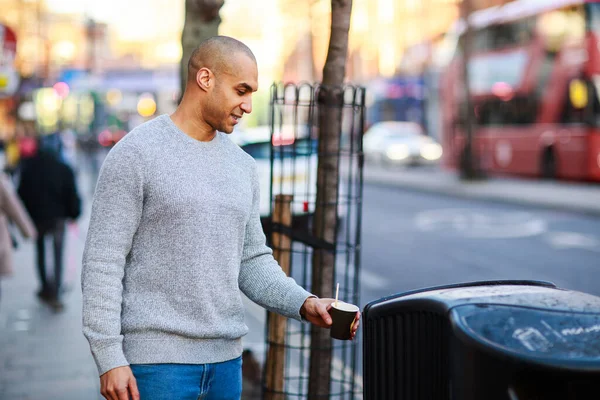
point(218, 381)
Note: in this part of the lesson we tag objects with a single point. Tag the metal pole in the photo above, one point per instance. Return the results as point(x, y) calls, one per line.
point(468, 160)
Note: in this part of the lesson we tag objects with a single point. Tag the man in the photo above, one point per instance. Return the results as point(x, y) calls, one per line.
point(48, 189)
point(174, 235)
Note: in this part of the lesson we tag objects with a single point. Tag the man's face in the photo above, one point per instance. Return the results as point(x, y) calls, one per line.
point(231, 96)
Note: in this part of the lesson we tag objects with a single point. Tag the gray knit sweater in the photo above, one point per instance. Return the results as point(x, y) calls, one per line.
point(174, 236)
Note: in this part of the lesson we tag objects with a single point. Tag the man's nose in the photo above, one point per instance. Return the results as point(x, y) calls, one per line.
point(246, 106)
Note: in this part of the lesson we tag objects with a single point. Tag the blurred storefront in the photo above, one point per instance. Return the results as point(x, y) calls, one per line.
point(388, 39)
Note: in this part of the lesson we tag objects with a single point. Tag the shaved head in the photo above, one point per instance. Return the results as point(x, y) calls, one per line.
point(216, 54)
point(222, 76)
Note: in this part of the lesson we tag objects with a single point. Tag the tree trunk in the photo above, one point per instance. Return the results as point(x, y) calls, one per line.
point(330, 103)
point(201, 22)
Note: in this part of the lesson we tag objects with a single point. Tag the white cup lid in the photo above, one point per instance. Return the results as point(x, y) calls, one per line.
point(345, 306)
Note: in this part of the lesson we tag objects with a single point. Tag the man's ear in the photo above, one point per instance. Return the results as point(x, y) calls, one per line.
point(205, 78)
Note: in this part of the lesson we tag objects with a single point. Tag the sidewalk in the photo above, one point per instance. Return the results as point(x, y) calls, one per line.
point(43, 355)
point(569, 196)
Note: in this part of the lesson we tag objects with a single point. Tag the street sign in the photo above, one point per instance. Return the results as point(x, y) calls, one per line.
point(9, 78)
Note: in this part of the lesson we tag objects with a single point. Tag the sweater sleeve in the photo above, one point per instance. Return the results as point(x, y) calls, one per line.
point(261, 278)
point(116, 212)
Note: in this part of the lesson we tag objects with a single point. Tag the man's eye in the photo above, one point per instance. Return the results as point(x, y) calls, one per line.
point(241, 93)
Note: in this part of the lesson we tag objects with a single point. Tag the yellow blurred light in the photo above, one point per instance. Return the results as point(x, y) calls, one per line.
point(48, 100)
point(553, 23)
point(3, 81)
point(168, 52)
point(557, 27)
point(64, 50)
point(86, 109)
point(69, 110)
point(576, 26)
point(387, 58)
point(385, 11)
point(360, 21)
point(578, 93)
point(412, 5)
point(47, 107)
point(13, 153)
point(49, 120)
point(114, 97)
point(146, 106)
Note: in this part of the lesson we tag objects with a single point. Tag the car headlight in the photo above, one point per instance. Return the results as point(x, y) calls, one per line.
point(397, 152)
point(431, 151)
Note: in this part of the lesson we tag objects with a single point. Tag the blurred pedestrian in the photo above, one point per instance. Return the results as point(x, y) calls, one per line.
point(48, 189)
point(174, 235)
point(11, 211)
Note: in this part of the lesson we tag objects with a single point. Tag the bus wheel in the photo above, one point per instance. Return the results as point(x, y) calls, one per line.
point(548, 164)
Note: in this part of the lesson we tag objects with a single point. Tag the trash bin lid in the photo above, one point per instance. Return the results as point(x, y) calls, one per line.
point(559, 338)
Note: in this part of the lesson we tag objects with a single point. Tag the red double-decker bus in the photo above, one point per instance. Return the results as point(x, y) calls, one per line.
point(534, 74)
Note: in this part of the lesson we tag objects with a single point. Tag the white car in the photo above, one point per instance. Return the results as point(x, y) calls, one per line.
point(400, 143)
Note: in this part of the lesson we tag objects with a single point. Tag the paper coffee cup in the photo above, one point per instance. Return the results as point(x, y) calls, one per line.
point(343, 317)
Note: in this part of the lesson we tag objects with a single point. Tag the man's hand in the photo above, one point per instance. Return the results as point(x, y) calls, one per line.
point(315, 311)
point(118, 384)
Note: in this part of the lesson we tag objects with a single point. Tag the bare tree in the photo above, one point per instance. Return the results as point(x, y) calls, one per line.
point(202, 21)
point(330, 103)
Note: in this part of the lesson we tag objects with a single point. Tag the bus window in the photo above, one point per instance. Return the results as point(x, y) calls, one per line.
point(508, 68)
point(498, 37)
point(519, 110)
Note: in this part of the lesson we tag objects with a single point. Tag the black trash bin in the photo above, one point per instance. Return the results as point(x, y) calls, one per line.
point(508, 340)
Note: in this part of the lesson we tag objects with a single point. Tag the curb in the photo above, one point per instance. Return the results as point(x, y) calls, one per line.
point(482, 191)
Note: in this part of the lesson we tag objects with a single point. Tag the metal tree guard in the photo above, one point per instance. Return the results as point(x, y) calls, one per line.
point(294, 158)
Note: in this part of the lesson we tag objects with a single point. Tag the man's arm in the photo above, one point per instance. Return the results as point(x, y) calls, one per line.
point(116, 212)
point(261, 278)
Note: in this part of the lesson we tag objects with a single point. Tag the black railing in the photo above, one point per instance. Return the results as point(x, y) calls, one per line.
point(294, 159)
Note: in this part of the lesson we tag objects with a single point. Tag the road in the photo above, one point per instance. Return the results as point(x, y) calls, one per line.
point(413, 240)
